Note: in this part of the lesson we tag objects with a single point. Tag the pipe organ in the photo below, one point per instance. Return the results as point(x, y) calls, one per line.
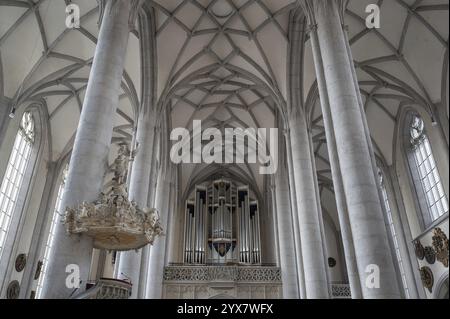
point(222, 225)
point(249, 245)
point(195, 228)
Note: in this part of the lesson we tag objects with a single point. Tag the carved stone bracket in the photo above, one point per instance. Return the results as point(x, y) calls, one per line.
point(341, 291)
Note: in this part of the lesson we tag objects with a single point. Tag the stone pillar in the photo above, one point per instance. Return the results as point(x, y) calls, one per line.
point(151, 202)
point(312, 245)
point(165, 197)
point(294, 210)
point(273, 206)
point(341, 203)
point(288, 262)
point(38, 240)
point(140, 183)
point(91, 148)
point(272, 254)
point(354, 157)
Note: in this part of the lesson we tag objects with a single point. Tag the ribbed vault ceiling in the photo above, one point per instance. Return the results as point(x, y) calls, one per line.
point(42, 60)
point(224, 62)
point(404, 63)
point(221, 67)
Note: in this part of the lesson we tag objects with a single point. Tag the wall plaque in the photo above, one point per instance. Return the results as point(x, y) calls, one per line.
point(37, 274)
point(21, 262)
point(419, 250)
point(427, 278)
point(13, 290)
point(430, 255)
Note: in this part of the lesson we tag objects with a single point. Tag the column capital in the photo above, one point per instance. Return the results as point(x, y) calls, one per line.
point(296, 114)
point(308, 10)
point(135, 6)
point(310, 6)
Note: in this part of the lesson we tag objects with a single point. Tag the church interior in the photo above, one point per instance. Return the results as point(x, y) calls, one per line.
point(346, 101)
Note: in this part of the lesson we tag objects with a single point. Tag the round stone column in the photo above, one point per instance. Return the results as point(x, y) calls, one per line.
point(140, 183)
point(165, 198)
point(288, 262)
point(344, 221)
point(373, 255)
point(89, 159)
point(296, 224)
point(313, 250)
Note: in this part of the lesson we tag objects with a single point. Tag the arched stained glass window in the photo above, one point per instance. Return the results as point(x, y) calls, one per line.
point(14, 176)
point(430, 181)
point(49, 244)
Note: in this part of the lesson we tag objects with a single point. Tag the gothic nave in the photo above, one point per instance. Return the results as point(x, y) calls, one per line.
point(224, 149)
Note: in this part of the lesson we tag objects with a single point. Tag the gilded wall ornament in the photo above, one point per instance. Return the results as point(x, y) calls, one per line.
point(419, 250)
point(430, 255)
point(13, 290)
point(427, 278)
point(21, 262)
point(440, 244)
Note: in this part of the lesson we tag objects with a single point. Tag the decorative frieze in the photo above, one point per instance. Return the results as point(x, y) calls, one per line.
point(341, 291)
point(222, 274)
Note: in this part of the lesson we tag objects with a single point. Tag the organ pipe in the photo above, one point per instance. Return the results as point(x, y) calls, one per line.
point(197, 228)
point(186, 243)
point(222, 225)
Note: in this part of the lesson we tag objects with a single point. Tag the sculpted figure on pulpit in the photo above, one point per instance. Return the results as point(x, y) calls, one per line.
point(121, 163)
